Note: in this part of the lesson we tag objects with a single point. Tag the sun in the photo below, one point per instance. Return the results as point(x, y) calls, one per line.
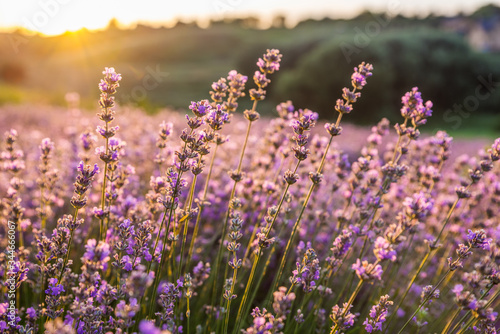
point(54, 17)
point(59, 16)
point(62, 25)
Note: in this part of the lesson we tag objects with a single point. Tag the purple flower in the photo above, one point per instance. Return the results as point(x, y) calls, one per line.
point(285, 109)
point(342, 317)
point(200, 108)
point(219, 90)
point(457, 290)
point(236, 83)
point(364, 69)
point(165, 130)
point(333, 129)
point(127, 263)
point(263, 322)
point(418, 206)
point(88, 140)
point(260, 79)
point(219, 86)
point(98, 253)
point(478, 239)
point(83, 183)
point(463, 252)
point(383, 250)
point(358, 80)
point(367, 271)
point(124, 310)
point(377, 315)
point(270, 62)
point(46, 146)
point(349, 96)
point(428, 294)
point(442, 139)
point(86, 171)
point(116, 144)
point(148, 327)
point(110, 132)
point(217, 117)
point(494, 151)
point(341, 245)
point(414, 108)
point(54, 288)
point(282, 302)
point(305, 122)
point(110, 75)
point(307, 272)
point(31, 312)
point(236, 79)
point(168, 297)
point(3, 308)
point(108, 87)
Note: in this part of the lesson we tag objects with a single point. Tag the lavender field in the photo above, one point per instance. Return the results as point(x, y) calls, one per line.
point(223, 221)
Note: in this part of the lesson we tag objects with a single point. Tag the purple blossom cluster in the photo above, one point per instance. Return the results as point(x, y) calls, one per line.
point(307, 272)
point(224, 221)
point(377, 315)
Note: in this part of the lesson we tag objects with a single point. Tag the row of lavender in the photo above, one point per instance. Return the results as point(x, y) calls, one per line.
point(244, 224)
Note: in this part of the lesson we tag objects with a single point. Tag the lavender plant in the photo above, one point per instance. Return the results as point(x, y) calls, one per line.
point(400, 235)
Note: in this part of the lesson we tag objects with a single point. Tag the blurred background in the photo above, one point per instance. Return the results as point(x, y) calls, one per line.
point(169, 54)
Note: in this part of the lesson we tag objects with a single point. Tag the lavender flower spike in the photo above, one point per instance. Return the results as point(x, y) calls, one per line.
point(367, 271)
point(377, 315)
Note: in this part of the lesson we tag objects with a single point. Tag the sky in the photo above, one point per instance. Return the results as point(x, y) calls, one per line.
point(57, 16)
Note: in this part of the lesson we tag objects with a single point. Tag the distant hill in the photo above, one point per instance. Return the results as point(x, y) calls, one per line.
point(161, 67)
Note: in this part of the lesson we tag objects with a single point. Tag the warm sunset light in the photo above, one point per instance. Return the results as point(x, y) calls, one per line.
point(249, 166)
point(52, 17)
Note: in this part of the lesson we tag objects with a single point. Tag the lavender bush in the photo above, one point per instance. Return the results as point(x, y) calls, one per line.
point(218, 223)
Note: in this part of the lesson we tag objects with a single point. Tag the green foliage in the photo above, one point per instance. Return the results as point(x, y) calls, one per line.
point(441, 64)
point(319, 57)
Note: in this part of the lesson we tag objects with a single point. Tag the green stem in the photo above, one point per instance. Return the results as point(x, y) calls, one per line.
point(188, 314)
point(224, 226)
point(186, 222)
point(492, 299)
point(269, 297)
point(349, 201)
point(448, 325)
point(290, 240)
point(118, 271)
point(157, 240)
point(20, 232)
point(103, 193)
point(422, 263)
point(69, 248)
point(426, 299)
point(395, 267)
point(42, 208)
point(469, 312)
point(467, 325)
point(245, 294)
point(198, 217)
point(280, 204)
point(302, 210)
point(324, 281)
point(228, 307)
point(349, 302)
point(448, 216)
point(424, 260)
point(165, 239)
point(42, 299)
point(255, 229)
